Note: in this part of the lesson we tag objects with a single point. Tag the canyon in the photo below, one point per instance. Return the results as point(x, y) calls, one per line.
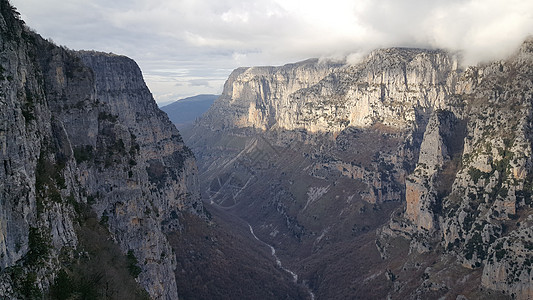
point(402, 175)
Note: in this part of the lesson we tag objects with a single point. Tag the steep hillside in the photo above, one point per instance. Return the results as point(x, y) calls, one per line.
point(318, 157)
point(80, 132)
point(185, 111)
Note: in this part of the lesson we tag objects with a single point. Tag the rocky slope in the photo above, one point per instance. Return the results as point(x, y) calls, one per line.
point(477, 205)
point(318, 156)
point(82, 139)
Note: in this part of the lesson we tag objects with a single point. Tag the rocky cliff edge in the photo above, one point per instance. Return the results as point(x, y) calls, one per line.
point(82, 136)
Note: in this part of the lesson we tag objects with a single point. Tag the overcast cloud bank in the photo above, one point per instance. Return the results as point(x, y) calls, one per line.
point(189, 47)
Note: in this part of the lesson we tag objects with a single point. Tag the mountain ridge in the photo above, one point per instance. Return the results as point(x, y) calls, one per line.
point(185, 111)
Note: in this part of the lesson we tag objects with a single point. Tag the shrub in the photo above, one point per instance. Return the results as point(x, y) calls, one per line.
point(104, 116)
point(475, 174)
point(38, 247)
point(83, 153)
point(133, 267)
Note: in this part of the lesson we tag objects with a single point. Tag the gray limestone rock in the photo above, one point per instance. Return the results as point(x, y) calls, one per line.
point(82, 128)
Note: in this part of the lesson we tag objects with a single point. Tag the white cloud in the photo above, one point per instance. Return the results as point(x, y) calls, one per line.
point(204, 37)
point(483, 30)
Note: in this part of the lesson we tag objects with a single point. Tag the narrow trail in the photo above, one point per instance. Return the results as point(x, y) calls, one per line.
point(278, 262)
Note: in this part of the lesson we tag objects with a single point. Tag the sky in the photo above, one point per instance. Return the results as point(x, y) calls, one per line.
point(189, 47)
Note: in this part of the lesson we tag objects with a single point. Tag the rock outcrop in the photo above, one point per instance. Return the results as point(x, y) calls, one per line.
point(81, 131)
point(441, 142)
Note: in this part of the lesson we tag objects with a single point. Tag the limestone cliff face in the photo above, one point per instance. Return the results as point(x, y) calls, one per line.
point(151, 178)
point(390, 87)
point(491, 196)
point(82, 130)
point(257, 97)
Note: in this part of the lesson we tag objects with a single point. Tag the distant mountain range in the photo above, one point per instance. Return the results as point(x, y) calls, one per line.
point(183, 112)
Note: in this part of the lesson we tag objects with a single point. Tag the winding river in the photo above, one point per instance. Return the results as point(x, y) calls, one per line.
point(278, 262)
